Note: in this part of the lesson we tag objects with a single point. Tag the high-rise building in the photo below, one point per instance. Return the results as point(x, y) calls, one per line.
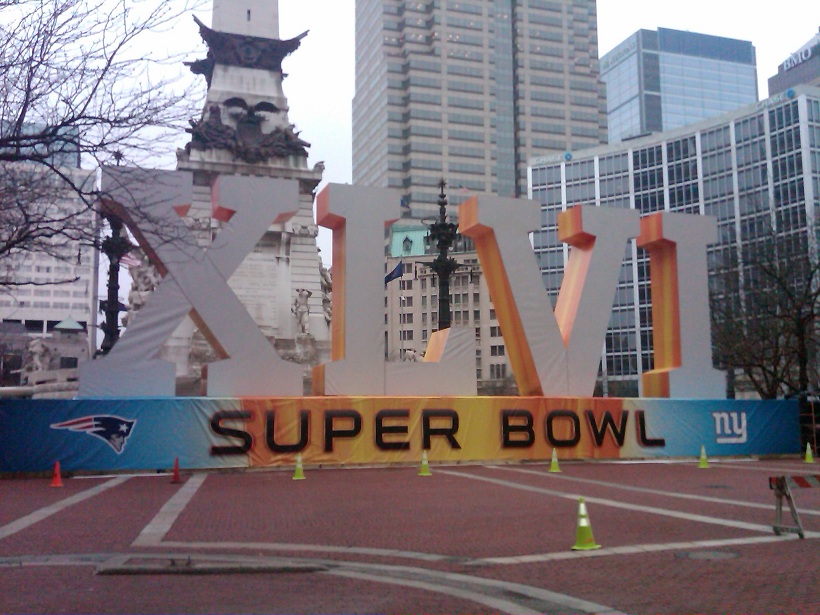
point(662, 79)
point(800, 68)
point(757, 170)
point(40, 289)
point(469, 91)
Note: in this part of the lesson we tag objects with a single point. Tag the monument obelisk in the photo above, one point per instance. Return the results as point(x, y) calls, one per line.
point(244, 129)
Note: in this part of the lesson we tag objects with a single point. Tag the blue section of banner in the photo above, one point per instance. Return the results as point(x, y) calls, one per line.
point(35, 434)
point(724, 427)
point(148, 434)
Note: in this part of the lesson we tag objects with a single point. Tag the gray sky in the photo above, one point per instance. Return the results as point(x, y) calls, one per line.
point(320, 86)
point(320, 83)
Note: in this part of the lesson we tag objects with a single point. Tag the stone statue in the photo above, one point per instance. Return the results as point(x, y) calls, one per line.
point(412, 355)
point(144, 280)
point(327, 308)
point(39, 356)
point(212, 133)
point(301, 310)
point(324, 275)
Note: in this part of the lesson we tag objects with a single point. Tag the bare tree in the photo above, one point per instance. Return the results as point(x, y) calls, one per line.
point(81, 82)
point(765, 314)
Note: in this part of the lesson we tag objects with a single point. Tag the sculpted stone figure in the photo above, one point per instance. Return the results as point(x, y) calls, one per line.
point(39, 356)
point(327, 308)
point(144, 280)
point(411, 354)
point(324, 275)
point(301, 310)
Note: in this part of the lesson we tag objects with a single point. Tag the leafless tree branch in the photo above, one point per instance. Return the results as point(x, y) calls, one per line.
point(765, 314)
point(81, 83)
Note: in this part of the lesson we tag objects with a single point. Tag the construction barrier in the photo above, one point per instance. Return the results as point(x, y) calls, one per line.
point(782, 490)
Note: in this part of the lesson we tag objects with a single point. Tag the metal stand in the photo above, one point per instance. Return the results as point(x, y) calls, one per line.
point(780, 484)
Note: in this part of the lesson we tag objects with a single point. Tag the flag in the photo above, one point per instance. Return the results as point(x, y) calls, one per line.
point(130, 260)
point(396, 273)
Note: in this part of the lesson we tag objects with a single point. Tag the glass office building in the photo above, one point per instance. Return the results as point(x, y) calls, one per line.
point(755, 169)
point(470, 90)
point(664, 79)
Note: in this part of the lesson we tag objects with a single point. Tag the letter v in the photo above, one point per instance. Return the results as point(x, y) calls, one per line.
point(557, 355)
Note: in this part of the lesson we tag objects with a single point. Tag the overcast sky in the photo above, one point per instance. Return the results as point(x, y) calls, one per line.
point(321, 83)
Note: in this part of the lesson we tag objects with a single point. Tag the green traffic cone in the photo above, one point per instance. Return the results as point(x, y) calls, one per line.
point(554, 463)
point(703, 463)
point(583, 533)
point(424, 470)
point(299, 471)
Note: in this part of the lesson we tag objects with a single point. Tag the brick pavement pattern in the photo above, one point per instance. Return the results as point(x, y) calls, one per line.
point(468, 539)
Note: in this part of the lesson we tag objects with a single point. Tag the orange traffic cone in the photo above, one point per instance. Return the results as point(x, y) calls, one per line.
point(56, 480)
point(175, 477)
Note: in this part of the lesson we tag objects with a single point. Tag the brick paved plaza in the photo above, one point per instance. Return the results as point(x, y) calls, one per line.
point(468, 539)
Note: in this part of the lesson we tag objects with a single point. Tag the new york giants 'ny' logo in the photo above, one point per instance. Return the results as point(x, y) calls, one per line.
point(730, 427)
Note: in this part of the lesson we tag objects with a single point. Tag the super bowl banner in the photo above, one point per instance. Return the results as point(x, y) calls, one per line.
point(148, 434)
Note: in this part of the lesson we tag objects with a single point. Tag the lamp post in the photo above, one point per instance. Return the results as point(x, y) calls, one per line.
point(443, 233)
point(114, 247)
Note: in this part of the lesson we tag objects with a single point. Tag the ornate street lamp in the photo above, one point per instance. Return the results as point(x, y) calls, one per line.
point(114, 247)
point(443, 233)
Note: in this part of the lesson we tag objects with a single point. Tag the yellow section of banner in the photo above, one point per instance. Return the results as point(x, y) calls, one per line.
point(375, 430)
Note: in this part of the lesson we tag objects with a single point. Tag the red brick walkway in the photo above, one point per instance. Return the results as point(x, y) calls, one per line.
point(469, 539)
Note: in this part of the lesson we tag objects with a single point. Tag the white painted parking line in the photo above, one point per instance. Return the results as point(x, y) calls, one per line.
point(671, 494)
point(302, 548)
point(153, 533)
point(633, 550)
point(740, 525)
point(479, 588)
point(496, 604)
point(46, 512)
point(773, 468)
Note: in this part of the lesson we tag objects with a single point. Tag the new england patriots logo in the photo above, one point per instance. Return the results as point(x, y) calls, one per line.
point(114, 430)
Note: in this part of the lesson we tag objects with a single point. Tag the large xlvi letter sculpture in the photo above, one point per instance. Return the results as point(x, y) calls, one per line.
point(194, 281)
point(552, 353)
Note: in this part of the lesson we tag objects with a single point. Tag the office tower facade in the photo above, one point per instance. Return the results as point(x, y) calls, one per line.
point(48, 299)
point(800, 68)
point(757, 170)
point(41, 289)
point(663, 79)
point(469, 91)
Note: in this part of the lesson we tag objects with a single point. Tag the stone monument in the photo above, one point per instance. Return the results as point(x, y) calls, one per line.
point(244, 129)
